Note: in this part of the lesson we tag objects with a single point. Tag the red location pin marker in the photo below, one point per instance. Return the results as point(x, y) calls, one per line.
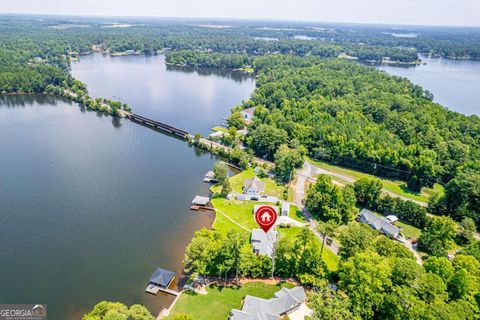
point(265, 216)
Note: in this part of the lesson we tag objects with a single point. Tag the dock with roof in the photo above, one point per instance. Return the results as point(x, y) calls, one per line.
point(160, 280)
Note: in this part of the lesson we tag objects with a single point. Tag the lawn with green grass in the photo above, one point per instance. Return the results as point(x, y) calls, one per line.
point(296, 214)
point(396, 187)
point(272, 187)
point(408, 231)
point(219, 301)
point(218, 128)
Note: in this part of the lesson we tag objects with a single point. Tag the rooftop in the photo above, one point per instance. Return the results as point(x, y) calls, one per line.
point(162, 277)
point(249, 110)
point(262, 242)
point(254, 183)
point(379, 223)
point(283, 301)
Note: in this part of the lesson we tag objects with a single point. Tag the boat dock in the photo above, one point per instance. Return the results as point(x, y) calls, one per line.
point(196, 208)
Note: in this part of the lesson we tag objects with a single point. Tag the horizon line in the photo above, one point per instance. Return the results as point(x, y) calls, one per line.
point(237, 19)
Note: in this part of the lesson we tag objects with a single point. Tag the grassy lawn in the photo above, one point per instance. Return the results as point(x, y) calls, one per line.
point(240, 211)
point(397, 187)
point(408, 231)
point(272, 188)
point(219, 301)
point(296, 214)
point(331, 260)
point(222, 129)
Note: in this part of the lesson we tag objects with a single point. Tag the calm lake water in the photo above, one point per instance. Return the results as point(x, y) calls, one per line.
point(193, 100)
point(454, 83)
point(89, 205)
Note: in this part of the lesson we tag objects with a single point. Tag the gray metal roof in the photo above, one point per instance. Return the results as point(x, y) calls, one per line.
point(283, 301)
point(263, 242)
point(379, 223)
point(255, 184)
point(162, 277)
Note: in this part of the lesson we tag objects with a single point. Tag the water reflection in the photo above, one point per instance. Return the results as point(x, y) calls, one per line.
point(237, 76)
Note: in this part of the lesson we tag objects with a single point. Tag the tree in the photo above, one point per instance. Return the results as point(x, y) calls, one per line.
point(354, 239)
point(327, 305)
point(329, 202)
point(231, 249)
point(365, 277)
point(438, 236)
point(368, 191)
point(306, 255)
point(236, 120)
point(220, 171)
point(329, 229)
point(200, 253)
point(106, 310)
point(462, 194)
point(440, 266)
point(266, 139)
point(466, 231)
point(286, 160)
point(385, 247)
point(472, 249)
point(431, 287)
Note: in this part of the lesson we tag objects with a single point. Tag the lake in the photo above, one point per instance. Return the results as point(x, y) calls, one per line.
point(90, 205)
point(454, 83)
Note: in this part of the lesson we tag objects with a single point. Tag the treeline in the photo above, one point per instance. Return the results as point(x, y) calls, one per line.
point(377, 278)
point(357, 116)
point(207, 60)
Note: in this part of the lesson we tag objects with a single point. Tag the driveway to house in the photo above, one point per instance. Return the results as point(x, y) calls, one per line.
point(306, 173)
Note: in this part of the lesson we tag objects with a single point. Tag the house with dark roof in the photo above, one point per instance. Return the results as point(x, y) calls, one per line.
point(253, 186)
point(284, 302)
point(263, 243)
point(379, 223)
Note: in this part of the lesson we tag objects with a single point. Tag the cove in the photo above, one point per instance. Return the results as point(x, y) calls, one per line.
point(455, 84)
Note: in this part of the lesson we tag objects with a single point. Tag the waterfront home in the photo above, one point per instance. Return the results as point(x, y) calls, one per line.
point(381, 224)
point(284, 302)
point(248, 115)
point(285, 209)
point(253, 186)
point(263, 243)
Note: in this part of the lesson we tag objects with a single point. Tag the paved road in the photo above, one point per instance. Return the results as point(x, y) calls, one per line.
point(306, 173)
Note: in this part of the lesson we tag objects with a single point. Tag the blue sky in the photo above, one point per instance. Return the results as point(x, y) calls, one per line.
point(421, 12)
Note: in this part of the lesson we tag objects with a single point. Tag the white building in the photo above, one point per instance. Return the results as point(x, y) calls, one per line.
point(264, 243)
point(253, 186)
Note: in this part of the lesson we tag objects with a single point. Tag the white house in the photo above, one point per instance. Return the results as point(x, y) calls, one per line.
point(284, 302)
point(379, 223)
point(253, 186)
point(263, 243)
